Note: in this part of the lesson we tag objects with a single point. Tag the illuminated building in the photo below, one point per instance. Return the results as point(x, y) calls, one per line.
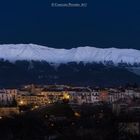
point(7, 97)
point(38, 100)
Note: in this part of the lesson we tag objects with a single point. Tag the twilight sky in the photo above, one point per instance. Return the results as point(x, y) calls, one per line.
point(104, 23)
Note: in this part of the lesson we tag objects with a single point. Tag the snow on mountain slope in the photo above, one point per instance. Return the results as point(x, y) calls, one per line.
point(13, 52)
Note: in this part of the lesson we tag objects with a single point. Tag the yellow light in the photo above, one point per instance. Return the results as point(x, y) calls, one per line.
point(35, 107)
point(77, 114)
point(66, 96)
point(21, 102)
point(0, 117)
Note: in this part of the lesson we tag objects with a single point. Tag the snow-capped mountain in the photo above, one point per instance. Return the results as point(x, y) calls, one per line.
point(76, 66)
point(86, 54)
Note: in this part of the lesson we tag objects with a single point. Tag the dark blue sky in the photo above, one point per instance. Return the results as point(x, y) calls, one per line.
point(104, 23)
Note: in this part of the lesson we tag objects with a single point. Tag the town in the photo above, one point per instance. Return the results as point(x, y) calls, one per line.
point(122, 105)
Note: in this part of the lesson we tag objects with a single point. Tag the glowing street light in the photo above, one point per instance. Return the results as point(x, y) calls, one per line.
point(66, 96)
point(77, 114)
point(21, 102)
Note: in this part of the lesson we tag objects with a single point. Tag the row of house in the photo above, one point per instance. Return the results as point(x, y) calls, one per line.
point(7, 96)
point(42, 95)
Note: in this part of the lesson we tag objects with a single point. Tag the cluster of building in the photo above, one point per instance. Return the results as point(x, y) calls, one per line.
point(122, 100)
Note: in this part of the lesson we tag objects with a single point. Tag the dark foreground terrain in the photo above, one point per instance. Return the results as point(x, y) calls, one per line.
point(61, 122)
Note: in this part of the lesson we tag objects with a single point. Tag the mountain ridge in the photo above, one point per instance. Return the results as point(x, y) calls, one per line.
point(87, 54)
